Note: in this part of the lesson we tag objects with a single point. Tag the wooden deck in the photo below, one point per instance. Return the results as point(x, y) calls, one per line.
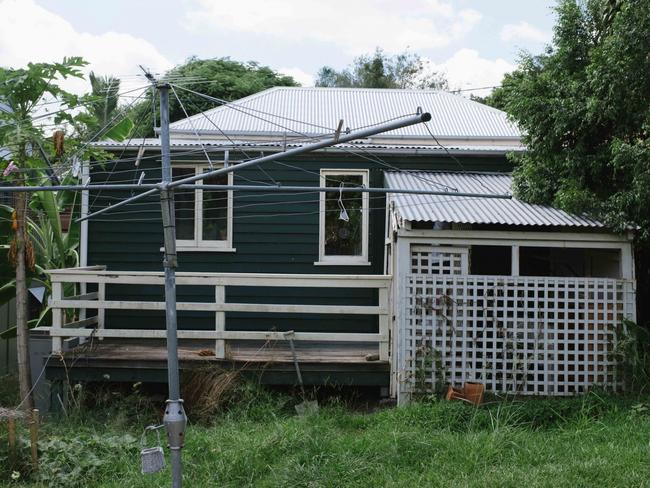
point(254, 352)
point(146, 360)
point(135, 353)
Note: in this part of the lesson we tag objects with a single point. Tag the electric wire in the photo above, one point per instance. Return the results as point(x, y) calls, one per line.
point(228, 138)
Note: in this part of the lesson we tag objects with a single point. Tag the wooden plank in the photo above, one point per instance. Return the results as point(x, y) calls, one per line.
point(224, 279)
point(514, 236)
point(220, 321)
point(213, 334)
point(384, 324)
point(57, 316)
point(84, 296)
point(222, 307)
point(101, 314)
point(148, 353)
point(33, 437)
point(97, 267)
point(81, 322)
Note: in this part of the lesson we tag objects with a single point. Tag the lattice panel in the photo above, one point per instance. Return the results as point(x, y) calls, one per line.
point(431, 260)
point(523, 335)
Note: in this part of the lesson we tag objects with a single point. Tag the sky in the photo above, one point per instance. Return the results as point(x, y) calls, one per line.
point(474, 42)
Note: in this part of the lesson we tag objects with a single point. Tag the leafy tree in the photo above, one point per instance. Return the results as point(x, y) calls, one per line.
point(584, 107)
point(220, 78)
point(379, 70)
point(105, 90)
point(495, 99)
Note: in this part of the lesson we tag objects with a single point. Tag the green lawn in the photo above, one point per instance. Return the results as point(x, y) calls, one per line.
point(580, 442)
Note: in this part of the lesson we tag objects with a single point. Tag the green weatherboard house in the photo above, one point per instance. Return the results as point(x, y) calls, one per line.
point(399, 291)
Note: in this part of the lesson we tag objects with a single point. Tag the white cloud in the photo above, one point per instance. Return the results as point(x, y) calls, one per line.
point(32, 33)
point(466, 69)
point(356, 27)
point(523, 31)
point(301, 76)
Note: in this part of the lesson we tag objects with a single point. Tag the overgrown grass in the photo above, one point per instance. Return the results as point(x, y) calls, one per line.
point(579, 442)
point(9, 390)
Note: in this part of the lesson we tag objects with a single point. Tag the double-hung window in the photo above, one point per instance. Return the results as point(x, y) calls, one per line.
point(203, 217)
point(343, 229)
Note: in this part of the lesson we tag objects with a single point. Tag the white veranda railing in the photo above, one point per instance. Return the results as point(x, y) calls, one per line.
point(523, 335)
point(99, 278)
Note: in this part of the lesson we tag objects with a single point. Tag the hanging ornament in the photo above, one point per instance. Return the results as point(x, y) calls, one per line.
point(343, 215)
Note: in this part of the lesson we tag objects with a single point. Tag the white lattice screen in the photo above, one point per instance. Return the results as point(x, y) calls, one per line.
point(524, 335)
point(439, 260)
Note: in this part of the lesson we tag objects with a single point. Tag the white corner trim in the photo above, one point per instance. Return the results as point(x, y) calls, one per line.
point(202, 249)
point(342, 263)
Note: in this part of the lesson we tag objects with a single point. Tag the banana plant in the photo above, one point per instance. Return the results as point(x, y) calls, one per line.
point(53, 249)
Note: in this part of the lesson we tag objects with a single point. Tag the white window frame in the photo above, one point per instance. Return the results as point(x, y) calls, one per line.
point(198, 244)
point(361, 260)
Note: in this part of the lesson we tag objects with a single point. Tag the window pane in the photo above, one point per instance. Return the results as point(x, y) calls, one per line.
point(344, 238)
point(215, 210)
point(184, 203)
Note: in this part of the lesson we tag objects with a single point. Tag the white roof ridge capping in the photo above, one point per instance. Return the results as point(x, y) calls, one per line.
point(388, 147)
point(473, 210)
point(309, 110)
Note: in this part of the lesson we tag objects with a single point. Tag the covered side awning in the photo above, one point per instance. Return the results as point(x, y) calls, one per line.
point(469, 210)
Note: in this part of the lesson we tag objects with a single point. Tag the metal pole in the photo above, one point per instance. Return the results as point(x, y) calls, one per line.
point(174, 418)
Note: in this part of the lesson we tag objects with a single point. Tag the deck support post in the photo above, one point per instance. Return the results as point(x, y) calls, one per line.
point(174, 419)
point(384, 324)
point(57, 317)
point(220, 322)
point(101, 312)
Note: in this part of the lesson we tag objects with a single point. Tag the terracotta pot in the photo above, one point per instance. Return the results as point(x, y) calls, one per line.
point(473, 392)
point(65, 217)
point(454, 393)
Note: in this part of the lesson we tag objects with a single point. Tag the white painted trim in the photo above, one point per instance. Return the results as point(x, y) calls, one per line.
point(627, 262)
point(202, 248)
point(213, 334)
point(514, 260)
point(220, 306)
point(447, 235)
point(365, 220)
point(384, 324)
point(220, 321)
point(521, 242)
point(401, 268)
point(57, 316)
point(342, 262)
point(74, 275)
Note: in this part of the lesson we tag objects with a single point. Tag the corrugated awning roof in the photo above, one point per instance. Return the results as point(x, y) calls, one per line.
point(470, 210)
point(318, 110)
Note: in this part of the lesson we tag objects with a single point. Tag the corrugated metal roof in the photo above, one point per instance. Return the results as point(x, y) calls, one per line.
point(318, 110)
point(359, 146)
point(470, 210)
